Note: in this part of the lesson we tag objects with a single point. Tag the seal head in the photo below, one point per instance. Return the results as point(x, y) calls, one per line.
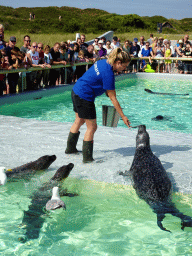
point(142, 139)
point(63, 172)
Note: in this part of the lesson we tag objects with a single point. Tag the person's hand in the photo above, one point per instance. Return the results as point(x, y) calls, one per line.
point(126, 121)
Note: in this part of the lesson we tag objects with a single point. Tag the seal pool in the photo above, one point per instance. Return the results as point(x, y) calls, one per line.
point(107, 218)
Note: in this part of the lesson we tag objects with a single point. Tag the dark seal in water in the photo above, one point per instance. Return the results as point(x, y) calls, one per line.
point(33, 218)
point(151, 182)
point(26, 170)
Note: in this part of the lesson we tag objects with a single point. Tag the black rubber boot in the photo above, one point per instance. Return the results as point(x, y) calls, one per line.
point(88, 151)
point(71, 143)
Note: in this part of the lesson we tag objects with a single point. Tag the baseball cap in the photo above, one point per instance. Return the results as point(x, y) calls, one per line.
point(100, 42)
point(135, 40)
point(12, 39)
point(180, 41)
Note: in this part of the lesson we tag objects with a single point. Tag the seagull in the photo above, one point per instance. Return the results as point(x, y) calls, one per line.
point(55, 202)
point(3, 176)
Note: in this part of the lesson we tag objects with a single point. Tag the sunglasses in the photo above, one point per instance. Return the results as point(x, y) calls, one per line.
point(34, 46)
point(40, 47)
point(28, 40)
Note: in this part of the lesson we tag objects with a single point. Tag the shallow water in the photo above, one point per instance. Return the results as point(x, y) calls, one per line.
point(105, 219)
point(140, 107)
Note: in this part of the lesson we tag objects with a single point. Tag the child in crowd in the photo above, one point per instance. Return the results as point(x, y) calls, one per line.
point(73, 54)
point(64, 57)
point(4, 64)
point(80, 70)
point(48, 61)
point(168, 53)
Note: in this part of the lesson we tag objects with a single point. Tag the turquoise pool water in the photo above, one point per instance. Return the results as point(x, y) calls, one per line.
point(138, 105)
point(105, 219)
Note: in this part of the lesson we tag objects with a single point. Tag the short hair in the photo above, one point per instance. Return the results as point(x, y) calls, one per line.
point(26, 36)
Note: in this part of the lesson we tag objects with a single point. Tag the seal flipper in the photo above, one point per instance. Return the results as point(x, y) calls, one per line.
point(125, 173)
point(186, 223)
point(160, 218)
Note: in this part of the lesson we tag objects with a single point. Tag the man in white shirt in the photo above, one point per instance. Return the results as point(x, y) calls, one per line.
point(141, 44)
point(115, 43)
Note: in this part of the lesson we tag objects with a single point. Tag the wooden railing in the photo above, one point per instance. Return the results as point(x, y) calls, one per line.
point(23, 70)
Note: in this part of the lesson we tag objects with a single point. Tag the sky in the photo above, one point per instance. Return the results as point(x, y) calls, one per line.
point(176, 9)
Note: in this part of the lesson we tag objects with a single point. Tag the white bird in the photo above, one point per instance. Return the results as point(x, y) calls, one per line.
point(55, 202)
point(3, 176)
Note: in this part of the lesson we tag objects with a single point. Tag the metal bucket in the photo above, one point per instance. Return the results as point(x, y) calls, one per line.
point(110, 116)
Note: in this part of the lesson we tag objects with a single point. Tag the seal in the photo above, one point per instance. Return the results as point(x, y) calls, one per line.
point(151, 181)
point(164, 93)
point(160, 118)
point(26, 170)
point(55, 202)
point(33, 218)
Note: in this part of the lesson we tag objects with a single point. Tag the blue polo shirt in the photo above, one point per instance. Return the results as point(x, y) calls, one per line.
point(146, 52)
point(95, 81)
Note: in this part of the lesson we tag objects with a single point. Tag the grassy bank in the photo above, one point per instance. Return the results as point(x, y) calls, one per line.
point(52, 38)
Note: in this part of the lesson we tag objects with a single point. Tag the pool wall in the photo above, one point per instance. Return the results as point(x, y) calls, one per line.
point(35, 95)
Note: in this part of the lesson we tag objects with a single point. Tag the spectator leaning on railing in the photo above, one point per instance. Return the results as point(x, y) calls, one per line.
point(54, 73)
point(168, 53)
point(12, 77)
point(180, 53)
point(187, 54)
point(135, 48)
point(146, 52)
point(4, 64)
point(48, 62)
point(33, 58)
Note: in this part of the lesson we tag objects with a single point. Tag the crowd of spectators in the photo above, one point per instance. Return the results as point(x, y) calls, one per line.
point(33, 54)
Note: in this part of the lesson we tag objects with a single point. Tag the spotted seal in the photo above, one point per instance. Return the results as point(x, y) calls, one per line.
point(151, 181)
point(33, 218)
point(26, 170)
